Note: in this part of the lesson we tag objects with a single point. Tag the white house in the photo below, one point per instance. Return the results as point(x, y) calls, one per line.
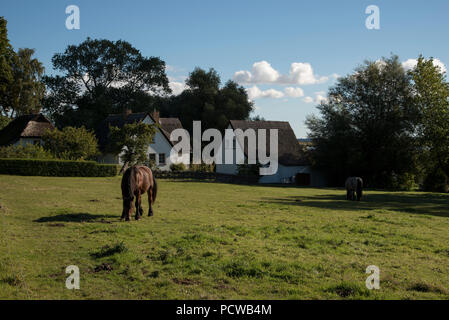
point(158, 151)
point(26, 129)
point(291, 161)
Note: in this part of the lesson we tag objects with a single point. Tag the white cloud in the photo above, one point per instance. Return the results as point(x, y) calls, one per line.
point(177, 87)
point(411, 63)
point(255, 93)
point(294, 92)
point(262, 72)
point(320, 96)
point(308, 99)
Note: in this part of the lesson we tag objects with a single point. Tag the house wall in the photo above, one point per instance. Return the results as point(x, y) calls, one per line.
point(317, 179)
point(160, 145)
point(25, 141)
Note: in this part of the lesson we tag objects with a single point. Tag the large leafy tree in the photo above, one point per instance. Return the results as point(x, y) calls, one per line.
point(99, 77)
point(6, 54)
point(367, 126)
point(21, 88)
point(431, 94)
point(206, 101)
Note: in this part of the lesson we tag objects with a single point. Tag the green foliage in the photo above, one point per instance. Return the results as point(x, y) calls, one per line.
point(27, 89)
point(4, 121)
point(6, 55)
point(29, 151)
point(71, 143)
point(367, 126)
point(133, 140)
point(436, 180)
point(404, 182)
point(432, 99)
point(86, 92)
point(202, 167)
point(178, 167)
point(56, 168)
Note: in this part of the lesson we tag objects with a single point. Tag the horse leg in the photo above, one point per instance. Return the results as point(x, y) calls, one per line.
point(137, 206)
point(140, 206)
point(150, 200)
point(348, 194)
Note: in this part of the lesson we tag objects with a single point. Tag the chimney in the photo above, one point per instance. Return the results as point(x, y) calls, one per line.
point(155, 115)
point(126, 113)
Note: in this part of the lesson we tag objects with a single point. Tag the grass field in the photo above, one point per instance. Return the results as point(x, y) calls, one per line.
point(216, 241)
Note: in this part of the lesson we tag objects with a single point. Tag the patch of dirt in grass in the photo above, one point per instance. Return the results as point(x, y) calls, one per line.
point(425, 287)
point(103, 267)
point(348, 290)
point(12, 280)
point(110, 250)
point(185, 282)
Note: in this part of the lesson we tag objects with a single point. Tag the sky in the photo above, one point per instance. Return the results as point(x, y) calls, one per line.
point(286, 53)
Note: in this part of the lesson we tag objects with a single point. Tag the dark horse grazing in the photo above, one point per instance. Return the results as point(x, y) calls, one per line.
point(136, 181)
point(354, 184)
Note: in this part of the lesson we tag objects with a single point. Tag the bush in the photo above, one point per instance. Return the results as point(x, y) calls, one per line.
point(202, 167)
point(56, 168)
point(404, 182)
point(436, 180)
point(71, 143)
point(28, 151)
point(177, 167)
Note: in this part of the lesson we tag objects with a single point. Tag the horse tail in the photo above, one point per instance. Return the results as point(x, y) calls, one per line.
point(154, 189)
point(359, 187)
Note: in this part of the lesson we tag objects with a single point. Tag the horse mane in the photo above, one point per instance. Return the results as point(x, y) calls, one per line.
point(129, 183)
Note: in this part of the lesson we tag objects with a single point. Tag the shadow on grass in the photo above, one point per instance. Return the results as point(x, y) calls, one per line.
point(425, 203)
point(77, 217)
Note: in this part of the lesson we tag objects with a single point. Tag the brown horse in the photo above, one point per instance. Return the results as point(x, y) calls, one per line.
point(136, 181)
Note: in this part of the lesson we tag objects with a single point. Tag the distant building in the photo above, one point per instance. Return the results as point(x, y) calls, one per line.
point(293, 167)
point(158, 151)
point(26, 129)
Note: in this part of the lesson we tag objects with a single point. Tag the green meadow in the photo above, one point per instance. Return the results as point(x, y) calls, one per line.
point(219, 241)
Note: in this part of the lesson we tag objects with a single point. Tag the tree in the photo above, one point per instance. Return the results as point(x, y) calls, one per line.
point(204, 100)
point(71, 143)
point(6, 54)
point(4, 120)
point(21, 88)
point(367, 127)
point(131, 142)
point(26, 90)
point(100, 77)
point(431, 94)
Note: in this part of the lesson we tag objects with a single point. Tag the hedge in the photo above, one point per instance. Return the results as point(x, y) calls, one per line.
point(56, 168)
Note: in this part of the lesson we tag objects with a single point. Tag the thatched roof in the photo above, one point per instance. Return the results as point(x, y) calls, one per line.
point(289, 151)
point(167, 125)
point(26, 126)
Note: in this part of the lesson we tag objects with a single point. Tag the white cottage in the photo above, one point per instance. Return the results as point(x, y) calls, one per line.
point(160, 148)
point(26, 129)
point(291, 160)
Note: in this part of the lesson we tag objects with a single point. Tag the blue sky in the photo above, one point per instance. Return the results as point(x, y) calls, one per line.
point(328, 37)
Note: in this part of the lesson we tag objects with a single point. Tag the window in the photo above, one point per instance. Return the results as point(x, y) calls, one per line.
point(161, 158)
point(153, 157)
